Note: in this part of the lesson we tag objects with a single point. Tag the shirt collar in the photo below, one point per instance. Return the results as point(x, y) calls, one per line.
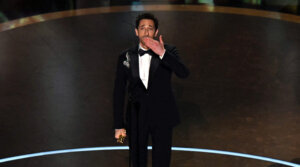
point(140, 47)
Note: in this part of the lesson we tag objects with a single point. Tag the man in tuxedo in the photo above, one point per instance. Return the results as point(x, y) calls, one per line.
point(145, 72)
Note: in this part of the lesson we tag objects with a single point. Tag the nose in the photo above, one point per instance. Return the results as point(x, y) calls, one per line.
point(146, 32)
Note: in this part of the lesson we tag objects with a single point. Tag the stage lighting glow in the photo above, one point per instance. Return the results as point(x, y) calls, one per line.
point(149, 147)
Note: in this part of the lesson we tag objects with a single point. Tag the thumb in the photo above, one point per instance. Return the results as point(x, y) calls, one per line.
point(161, 40)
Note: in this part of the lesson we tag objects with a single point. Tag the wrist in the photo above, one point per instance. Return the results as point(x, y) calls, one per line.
point(162, 53)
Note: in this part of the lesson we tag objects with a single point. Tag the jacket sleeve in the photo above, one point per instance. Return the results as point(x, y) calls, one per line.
point(119, 93)
point(172, 60)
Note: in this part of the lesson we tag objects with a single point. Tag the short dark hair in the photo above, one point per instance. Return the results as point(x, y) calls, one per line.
point(146, 16)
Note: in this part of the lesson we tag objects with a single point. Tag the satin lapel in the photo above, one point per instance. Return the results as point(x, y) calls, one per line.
point(134, 65)
point(153, 67)
point(135, 72)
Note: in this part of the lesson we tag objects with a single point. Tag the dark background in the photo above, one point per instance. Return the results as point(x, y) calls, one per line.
point(13, 9)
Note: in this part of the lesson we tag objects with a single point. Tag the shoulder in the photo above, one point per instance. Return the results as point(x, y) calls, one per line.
point(122, 56)
point(169, 47)
point(127, 51)
point(123, 53)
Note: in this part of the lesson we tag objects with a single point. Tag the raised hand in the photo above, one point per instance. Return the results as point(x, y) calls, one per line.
point(156, 46)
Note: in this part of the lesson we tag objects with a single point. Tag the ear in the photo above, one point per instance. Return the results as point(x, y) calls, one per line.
point(136, 32)
point(156, 32)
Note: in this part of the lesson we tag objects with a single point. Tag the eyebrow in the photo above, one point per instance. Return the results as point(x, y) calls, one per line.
point(144, 25)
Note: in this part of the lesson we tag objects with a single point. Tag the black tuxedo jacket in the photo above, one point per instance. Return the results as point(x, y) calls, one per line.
point(155, 105)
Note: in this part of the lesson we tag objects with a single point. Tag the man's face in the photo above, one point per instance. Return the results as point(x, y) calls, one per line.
point(146, 29)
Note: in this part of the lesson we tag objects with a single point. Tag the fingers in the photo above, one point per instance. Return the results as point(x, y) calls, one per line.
point(149, 42)
point(117, 134)
point(120, 132)
point(124, 134)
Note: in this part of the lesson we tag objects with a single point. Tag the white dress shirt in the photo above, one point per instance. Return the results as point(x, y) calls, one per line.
point(144, 66)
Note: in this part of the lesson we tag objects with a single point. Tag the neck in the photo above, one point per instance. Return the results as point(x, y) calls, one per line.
point(143, 46)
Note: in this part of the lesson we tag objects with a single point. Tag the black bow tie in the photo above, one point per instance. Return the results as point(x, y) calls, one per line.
point(142, 52)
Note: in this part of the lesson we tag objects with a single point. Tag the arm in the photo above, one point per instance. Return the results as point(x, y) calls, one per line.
point(172, 60)
point(169, 56)
point(119, 94)
point(119, 97)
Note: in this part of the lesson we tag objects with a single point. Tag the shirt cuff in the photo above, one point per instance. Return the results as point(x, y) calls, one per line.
point(162, 56)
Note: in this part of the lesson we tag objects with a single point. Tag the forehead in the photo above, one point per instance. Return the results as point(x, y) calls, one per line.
point(147, 22)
